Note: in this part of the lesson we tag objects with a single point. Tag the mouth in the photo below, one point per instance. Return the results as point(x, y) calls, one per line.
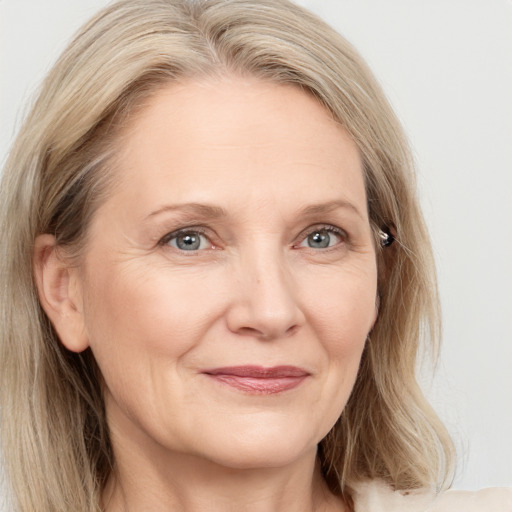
point(259, 380)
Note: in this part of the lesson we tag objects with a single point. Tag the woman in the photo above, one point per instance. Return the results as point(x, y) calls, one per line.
point(217, 274)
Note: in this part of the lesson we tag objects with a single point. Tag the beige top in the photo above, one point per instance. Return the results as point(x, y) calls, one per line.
point(375, 496)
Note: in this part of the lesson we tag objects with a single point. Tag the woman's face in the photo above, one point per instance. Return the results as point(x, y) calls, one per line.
point(229, 282)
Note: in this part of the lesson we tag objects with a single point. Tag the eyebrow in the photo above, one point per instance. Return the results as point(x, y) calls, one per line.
point(216, 212)
point(324, 208)
point(198, 209)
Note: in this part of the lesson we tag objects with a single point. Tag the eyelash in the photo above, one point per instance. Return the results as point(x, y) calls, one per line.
point(342, 234)
point(184, 231)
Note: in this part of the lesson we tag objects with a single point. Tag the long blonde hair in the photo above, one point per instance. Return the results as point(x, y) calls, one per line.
point(55, 438)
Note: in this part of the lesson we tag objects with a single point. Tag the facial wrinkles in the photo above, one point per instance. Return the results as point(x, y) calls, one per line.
point(160, 316)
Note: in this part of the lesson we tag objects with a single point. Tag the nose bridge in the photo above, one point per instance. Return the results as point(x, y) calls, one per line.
point(267, 303)
point(270, 277)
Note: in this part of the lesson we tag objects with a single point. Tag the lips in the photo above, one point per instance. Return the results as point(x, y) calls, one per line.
point(257, 379)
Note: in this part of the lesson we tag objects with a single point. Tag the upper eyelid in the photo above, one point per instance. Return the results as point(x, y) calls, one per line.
point(317, 227)
point(193, 229)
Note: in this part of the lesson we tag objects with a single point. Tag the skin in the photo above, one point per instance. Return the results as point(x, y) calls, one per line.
point(254, 292)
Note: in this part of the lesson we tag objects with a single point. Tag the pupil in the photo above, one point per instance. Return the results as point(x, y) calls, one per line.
point(319, 240)
point(188, 242)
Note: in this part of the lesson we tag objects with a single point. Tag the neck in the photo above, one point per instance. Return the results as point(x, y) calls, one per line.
point(186, 483)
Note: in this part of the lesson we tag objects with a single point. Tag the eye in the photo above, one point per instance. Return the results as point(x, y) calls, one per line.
point(189, 240)
point(323, 238)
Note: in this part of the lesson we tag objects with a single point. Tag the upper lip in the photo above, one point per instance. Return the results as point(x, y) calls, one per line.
point(259, 372)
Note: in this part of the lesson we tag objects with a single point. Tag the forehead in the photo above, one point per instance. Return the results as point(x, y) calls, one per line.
point(238, 139)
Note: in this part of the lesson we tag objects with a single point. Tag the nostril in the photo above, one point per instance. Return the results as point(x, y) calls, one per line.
point(265, 308)
point(250, 331)
point(267, 335)
point(292, 330)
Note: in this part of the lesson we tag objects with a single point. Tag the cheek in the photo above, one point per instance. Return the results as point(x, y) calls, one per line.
point(344, 307)
point(139, 318)
point(343, 313)
point(343, 328)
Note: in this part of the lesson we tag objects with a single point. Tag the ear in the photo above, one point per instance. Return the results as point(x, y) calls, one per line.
point(60, 293)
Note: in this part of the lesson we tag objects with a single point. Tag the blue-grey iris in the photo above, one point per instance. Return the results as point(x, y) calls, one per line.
point(319, 239)
point(188, 241)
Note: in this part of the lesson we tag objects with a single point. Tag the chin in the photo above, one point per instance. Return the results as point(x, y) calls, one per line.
point(262, 451)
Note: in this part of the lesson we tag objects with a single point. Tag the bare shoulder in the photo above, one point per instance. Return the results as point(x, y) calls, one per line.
point(376, 496)
point(492, 499)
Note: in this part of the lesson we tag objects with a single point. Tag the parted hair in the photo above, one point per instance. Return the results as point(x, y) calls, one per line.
point(55, 439)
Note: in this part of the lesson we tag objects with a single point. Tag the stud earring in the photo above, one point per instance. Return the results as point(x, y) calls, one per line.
point(386, 237)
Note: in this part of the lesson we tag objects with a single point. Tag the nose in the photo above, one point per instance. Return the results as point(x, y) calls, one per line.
point(264, 303)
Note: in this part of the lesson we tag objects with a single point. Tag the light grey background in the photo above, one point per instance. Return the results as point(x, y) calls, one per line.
point(446, 65)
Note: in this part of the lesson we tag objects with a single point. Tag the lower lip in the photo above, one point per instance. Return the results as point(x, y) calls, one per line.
point(259, 386)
